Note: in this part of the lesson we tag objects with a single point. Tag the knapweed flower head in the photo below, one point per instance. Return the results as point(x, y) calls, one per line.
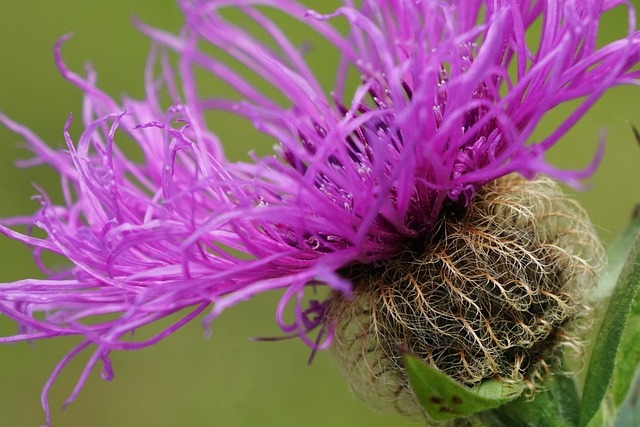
point(411, 193)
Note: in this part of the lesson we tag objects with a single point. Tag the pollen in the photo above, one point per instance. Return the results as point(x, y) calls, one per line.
point(495, 293)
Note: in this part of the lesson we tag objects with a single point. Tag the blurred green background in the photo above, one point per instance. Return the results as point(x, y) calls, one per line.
point(187, 380)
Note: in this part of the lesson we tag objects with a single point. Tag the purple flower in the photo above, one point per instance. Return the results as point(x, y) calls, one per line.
point(449, 95)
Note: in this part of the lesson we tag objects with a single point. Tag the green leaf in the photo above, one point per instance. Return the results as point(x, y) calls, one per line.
point(615, 339)
point(555, 407)
point(617, 254)
point(564, 391)
point(444, 398)
point(628, 357)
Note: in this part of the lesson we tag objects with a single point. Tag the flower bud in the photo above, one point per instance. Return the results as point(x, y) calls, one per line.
point(494, 294)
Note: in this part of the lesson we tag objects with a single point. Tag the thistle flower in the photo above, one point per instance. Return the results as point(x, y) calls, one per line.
point(407, 167)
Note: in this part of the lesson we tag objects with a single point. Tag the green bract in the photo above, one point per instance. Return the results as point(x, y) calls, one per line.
point(444, 398)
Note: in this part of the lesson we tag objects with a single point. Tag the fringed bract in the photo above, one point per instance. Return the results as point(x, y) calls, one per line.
point(494, 294)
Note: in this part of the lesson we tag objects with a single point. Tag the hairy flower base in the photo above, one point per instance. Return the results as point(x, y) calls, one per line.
point(495, 294)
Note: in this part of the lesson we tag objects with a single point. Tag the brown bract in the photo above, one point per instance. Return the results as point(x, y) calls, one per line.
point(496, 293)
